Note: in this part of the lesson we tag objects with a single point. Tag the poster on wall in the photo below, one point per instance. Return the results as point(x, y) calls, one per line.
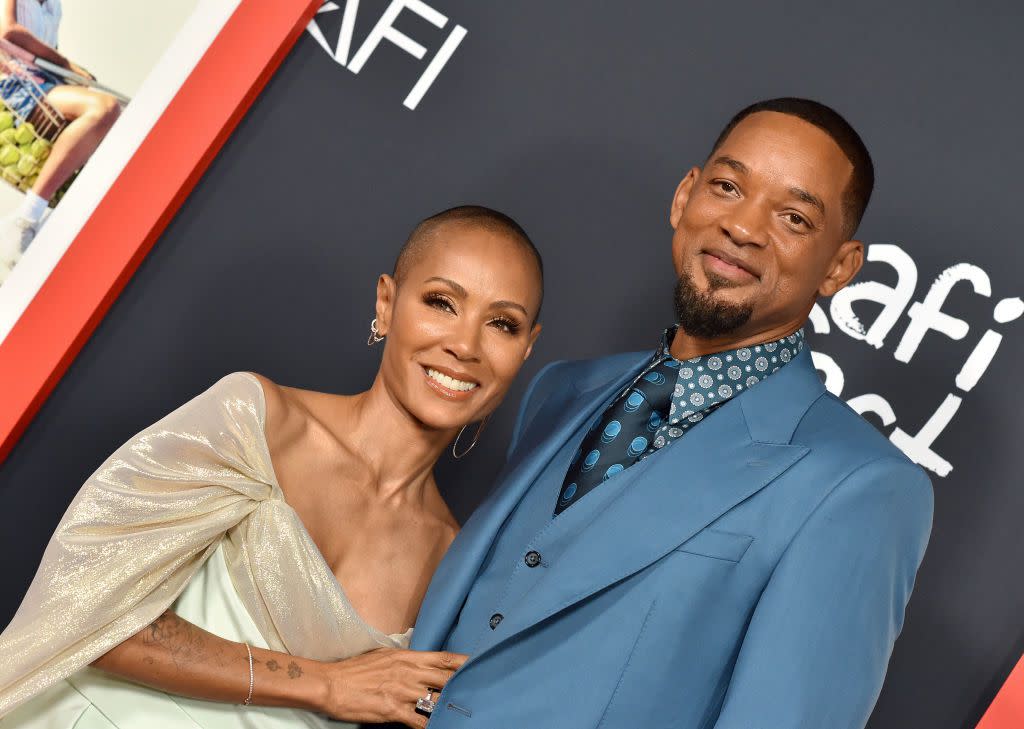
point(110, 113)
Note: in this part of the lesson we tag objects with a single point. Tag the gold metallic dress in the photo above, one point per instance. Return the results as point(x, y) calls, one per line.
point(187, 515)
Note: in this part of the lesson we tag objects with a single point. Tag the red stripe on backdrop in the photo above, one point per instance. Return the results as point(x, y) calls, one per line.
point(1007, 711)
point(140, 204)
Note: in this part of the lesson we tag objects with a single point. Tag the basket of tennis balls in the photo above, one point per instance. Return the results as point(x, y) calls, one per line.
point(22, 151)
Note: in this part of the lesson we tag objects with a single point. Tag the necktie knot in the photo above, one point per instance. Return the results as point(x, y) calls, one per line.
point(624, 434)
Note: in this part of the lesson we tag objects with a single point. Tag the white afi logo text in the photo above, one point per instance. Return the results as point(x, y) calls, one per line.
point(925, 316)
point(385, 30)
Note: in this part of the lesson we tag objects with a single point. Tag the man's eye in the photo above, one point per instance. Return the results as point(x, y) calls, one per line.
point(795, 219)
point(726, 186)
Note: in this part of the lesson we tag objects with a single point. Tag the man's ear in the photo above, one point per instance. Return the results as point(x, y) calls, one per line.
point(387, 290)
point(845, 265)
point(682, 196)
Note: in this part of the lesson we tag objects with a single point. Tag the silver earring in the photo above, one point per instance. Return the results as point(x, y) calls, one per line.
point(374, 335)
point(479, 430)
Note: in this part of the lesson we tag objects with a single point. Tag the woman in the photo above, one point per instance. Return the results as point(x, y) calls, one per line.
point(33, 25)
point(292, 533)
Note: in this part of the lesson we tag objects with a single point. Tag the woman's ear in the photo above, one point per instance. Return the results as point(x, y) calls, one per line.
point(387, 290)
point(534, 333)
point(682, 196)
point(845, 265)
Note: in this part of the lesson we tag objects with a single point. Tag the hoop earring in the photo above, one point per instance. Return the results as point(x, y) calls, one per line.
point(479, 429)
point(374, 335)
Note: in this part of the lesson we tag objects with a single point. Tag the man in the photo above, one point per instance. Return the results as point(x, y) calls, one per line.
point(705, 537)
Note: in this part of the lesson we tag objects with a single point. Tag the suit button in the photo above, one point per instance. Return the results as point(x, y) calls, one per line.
point(495, 619)
point(532, 558)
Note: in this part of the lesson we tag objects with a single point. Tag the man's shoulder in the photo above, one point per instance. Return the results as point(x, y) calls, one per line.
point(591, 372)
point(563, 380)
point(831, 427)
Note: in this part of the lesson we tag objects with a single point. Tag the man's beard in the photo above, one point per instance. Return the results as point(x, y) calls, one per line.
point(700, 315)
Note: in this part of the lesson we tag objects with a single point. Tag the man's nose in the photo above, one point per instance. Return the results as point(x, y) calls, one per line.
point(746, 224)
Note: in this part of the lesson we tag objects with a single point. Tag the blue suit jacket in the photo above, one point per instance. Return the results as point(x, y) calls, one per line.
point(756, 578)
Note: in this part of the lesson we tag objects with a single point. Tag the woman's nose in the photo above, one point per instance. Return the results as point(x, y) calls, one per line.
point(463, 342)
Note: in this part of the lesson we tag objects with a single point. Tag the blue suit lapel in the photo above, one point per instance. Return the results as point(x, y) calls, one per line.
point(555, 422)
point(683, 489)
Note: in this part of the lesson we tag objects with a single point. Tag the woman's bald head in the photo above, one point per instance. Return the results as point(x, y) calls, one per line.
point(430, 230)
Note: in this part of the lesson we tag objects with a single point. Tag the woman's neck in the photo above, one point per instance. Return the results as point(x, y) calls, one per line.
point(396, 450)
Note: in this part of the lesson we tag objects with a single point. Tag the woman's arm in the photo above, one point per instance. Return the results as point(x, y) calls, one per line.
point(19, 35)
point(175, 656)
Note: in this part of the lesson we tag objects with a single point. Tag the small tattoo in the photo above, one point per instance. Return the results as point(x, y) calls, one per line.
point(293, 670)
point(273, 665)
point(183, 642)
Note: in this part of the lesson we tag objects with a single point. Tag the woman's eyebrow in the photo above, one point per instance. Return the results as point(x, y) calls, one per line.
point(509, 305)
point(457, 288)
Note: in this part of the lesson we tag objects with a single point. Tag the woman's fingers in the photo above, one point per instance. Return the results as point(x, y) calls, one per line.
point(449, 660)
point(419, 681)
point(438, 668)
point(414, 720)
point(386, 684)
point(436, 659)
point(442, 677)
point(409, 715)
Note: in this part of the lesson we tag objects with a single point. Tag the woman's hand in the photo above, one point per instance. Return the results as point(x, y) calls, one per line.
point(383, 685)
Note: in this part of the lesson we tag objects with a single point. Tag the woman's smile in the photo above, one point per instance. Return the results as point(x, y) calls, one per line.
point(448, 386)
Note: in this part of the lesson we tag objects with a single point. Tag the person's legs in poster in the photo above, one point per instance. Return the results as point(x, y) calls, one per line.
point(90, 116)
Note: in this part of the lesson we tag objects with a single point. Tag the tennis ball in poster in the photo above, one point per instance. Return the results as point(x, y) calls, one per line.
point(25, 133)
point(7, 137)
point(31, 182)
point(11, 174)
point(25, 148)
point(28, 165)
point(40, 149)
point(9, 155)
point(6, 120)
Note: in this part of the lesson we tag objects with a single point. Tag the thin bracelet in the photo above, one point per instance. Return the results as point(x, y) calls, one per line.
point(252, 677)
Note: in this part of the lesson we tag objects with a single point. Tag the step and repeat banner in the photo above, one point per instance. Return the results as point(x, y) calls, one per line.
point(579, 119)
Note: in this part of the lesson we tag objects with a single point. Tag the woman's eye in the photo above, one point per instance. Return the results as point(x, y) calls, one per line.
point(506, 325)
point(440, 302)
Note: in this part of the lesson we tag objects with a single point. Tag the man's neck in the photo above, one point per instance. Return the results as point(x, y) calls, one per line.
point(685, 346)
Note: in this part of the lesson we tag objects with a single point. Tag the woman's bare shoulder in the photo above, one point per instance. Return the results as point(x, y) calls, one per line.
point(285, 417)
point(290, 411)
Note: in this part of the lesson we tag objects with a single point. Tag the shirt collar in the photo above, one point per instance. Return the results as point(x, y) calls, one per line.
point(720, 376)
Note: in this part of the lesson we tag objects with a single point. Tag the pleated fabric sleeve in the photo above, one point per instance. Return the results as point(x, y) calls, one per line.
point(137, 531)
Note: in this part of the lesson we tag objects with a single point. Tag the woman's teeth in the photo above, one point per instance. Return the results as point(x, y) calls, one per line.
point(450, 382)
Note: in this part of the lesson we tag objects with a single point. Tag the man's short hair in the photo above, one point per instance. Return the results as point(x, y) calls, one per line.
point(474, 215)
point(862, 180)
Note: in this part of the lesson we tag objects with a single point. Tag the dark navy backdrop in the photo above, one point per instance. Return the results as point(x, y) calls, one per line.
point(579, 119)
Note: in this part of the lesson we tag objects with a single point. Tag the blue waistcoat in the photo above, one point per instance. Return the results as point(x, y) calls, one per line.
point(515, 561)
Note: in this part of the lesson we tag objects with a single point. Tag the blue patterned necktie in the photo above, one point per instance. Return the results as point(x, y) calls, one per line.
point(668, 399)
point(624, 433)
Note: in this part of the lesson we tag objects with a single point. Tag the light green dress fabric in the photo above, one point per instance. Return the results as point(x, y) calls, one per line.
point(91, 699)
point(189, 515)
